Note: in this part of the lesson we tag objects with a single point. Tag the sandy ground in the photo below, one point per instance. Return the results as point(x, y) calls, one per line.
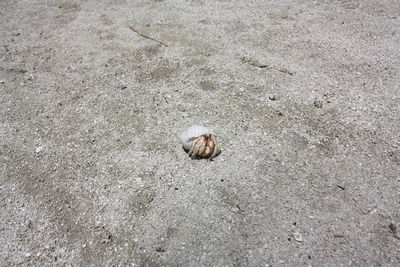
point(304, 96)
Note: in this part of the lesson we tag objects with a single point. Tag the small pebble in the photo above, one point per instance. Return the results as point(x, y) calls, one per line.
point(39, 149)
point(28, 254)
point(393, 228)
point(159, 249)
point(318, 103)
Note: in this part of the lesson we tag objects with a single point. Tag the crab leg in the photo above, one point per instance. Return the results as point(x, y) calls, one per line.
point(193, 150)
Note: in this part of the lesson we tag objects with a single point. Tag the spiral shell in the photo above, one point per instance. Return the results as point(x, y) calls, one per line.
point(187, 137)
point(200, 142)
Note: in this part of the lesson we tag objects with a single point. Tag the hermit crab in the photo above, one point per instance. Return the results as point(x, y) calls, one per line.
point(200, 142)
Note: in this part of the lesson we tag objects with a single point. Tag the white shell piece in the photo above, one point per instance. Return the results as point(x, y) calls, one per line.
point(297, 236)
point(191, 133)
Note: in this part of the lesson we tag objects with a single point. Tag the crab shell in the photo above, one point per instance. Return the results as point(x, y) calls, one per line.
point(200, 142)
